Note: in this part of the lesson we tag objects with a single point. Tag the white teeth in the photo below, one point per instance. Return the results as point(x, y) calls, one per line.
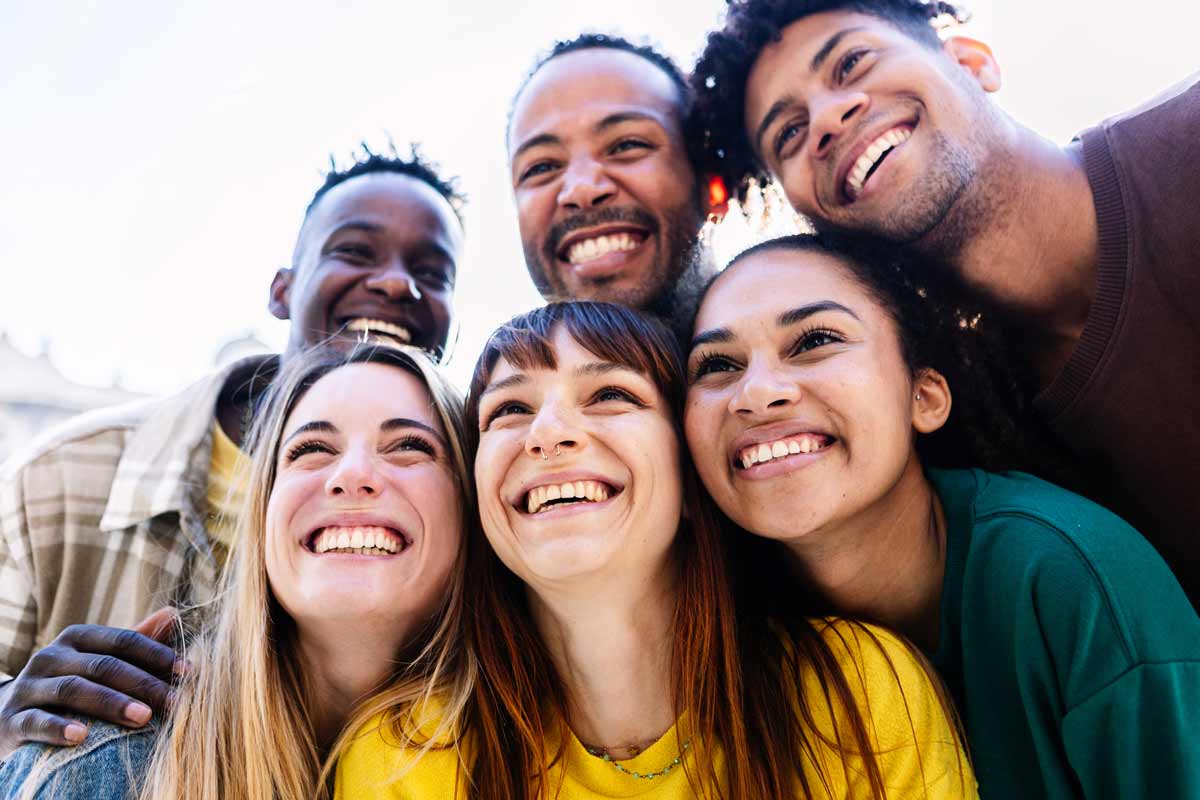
point(577, 491)
point(371, 539)
point(368, 326)
point(781, 448)
point(858, 173)
point(598, 246)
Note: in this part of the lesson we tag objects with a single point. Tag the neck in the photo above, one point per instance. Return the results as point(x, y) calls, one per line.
point(1012, 241)
point(886, 563)
point(342, 665)
point(612, 649)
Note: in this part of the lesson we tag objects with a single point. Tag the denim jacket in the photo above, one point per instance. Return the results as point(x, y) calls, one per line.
point(107, 766)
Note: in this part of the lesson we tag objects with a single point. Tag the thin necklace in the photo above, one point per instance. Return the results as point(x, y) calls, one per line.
point(604, 755)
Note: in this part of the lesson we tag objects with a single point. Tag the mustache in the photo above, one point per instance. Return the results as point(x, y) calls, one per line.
point(601, 216)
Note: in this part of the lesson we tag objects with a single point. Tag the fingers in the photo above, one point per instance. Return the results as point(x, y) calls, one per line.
point(127, 645)
point(159, 625)
point(36, 725)
point(79, 695)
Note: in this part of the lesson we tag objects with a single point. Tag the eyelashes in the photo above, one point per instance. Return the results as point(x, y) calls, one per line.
point(409, 442)
point(808, 340)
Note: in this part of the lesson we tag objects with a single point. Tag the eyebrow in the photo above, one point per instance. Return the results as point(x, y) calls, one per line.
point(804, 312)
point(616, 118)
point(781, 104)
point(829, 46)
point(787, 318)
point(583, 370)
point(316, 425)
point(398, 423)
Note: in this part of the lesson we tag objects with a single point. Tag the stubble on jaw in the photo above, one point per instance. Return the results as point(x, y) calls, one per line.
point(681, 271)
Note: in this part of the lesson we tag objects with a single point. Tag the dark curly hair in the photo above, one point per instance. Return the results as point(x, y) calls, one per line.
point(592, 41)
point(716, 125)
point(415, 165)
point(992, 424)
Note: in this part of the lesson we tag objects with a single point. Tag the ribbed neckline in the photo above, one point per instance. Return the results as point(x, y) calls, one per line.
point(1111, 276)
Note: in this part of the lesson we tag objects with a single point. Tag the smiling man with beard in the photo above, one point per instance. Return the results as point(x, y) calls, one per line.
point(125, 510)
point(876, 127)
point(608, 202)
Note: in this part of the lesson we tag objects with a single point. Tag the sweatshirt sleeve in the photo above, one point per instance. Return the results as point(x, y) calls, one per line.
point(1139, 736)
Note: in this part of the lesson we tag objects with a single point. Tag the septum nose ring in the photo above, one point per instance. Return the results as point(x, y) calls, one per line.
point(557, 452)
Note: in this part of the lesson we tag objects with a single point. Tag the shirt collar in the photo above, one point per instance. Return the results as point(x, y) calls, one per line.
point(164, 466)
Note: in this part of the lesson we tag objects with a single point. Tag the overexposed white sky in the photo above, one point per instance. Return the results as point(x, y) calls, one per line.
point(158, 156)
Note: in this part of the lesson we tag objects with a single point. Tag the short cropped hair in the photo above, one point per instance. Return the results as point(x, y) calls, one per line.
point(415, 165)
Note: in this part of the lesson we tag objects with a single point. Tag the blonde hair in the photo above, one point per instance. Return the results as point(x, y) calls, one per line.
point(239, 729)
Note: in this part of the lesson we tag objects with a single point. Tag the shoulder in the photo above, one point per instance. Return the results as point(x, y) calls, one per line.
point(1177, 105)
point(907, 717)
point(92, 435)
point(1019, 517)
point(1050, 570)
point(108, 764)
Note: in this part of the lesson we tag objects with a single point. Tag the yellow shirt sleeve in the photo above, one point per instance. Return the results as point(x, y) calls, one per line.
point(915, 743)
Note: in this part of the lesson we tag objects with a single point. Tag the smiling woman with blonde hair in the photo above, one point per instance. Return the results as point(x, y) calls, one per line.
point(345, 594)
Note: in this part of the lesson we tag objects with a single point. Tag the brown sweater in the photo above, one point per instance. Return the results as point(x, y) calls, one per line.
point(1128, 400)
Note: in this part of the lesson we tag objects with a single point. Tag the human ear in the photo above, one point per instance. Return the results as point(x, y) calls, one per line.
point(281, 286)
point(976, 58)
point(931, 401)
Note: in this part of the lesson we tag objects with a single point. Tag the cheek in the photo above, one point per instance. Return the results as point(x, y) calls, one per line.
point(701, 426)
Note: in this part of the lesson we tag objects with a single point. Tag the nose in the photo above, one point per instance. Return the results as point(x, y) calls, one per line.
point(394, 281)
point(830, 117)
point(761, 389)
point(585, 184)
point(551, 434)
point(354, 476)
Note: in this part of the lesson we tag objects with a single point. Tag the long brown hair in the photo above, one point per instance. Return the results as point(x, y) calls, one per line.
point(733, 684)
point(240, 728)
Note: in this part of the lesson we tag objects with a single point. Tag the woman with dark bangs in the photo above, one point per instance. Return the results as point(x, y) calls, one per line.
point(617, 656)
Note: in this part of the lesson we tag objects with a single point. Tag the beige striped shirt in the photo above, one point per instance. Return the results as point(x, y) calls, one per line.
point(103, 519)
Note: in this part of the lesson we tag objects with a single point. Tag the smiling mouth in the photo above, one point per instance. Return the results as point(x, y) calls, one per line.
point(370, 329)
point(540, 499)
point(765, 452)
point(871, 159)
point(364, 540)
point(582, 251)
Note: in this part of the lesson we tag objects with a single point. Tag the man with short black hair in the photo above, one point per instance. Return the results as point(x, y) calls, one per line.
point(608, 203)
point(121, 511)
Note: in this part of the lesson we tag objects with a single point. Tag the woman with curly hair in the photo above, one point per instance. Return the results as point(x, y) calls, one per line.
point(836, 397)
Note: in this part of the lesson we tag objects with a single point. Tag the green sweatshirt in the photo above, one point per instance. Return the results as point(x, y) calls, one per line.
point(1071, 650)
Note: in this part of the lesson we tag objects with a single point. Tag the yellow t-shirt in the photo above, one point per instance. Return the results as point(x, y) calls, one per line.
point(917, 749)
point(228, 471)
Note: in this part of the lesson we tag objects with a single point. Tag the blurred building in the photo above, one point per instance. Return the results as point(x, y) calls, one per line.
point(34, 395)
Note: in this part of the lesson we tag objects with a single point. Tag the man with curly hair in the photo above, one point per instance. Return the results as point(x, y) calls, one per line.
point(876, 127)
point(608, 203)
point(121, 511)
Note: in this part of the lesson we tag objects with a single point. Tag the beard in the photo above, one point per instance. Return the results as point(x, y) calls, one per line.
point(671, 286)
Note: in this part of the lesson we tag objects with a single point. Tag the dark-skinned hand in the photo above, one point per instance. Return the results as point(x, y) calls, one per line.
point(113, 674)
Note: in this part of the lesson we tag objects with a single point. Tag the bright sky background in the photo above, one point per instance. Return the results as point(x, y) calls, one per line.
point(158, 156)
